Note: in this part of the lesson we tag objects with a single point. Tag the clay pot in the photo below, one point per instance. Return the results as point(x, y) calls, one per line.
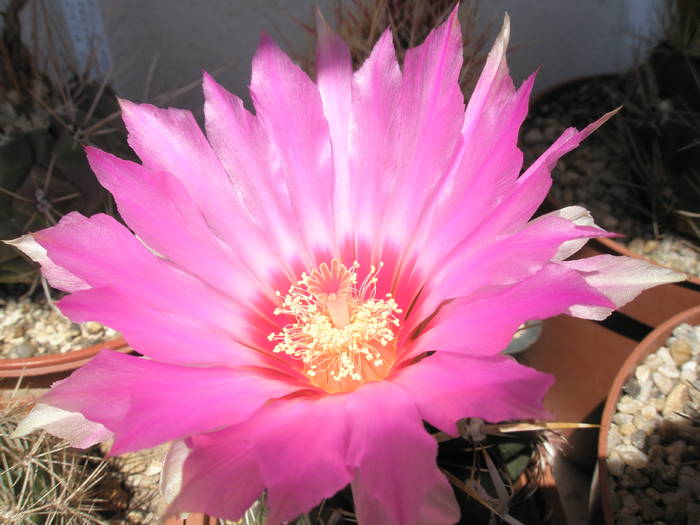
point(42, 371)
point(649, 344)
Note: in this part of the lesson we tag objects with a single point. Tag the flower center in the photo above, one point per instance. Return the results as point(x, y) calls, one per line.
point(342, 333)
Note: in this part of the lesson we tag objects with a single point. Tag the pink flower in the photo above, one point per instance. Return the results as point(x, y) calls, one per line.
point(312, 282)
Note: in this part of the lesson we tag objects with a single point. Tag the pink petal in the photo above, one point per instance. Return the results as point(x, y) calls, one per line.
point(103, 253)
point(273, 448)
point(171, 474)
point(242, 147)
point(170, 140)
point(71, 426)
point(375, 107)
point(579, 216)
point(220, 476)
point(145, 403)
point(334, 78)
point(533, 185)
point(159, 209)
point(483, 325)
point(57, 276)
point(397, 481)
point(621, 279)
point(500, 261)
point(488, 162)
point(174, 337)
point(431, 107)
point(299, 136)
point(447, 387)
point(297, 477)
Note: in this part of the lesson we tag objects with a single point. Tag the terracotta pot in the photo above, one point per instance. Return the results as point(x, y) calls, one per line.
point(42, 371)
point(649, 344)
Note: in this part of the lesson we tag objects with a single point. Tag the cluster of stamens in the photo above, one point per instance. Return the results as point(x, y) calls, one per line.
point(342, 331)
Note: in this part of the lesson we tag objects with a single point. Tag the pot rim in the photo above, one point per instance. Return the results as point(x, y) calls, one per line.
point(652, 342)
point(51, 363)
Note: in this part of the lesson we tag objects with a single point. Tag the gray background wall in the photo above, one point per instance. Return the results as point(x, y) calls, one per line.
point(567, 38)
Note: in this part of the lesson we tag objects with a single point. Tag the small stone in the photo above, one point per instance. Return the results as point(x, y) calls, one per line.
point(22, 351)
point(650, 511)
point(669, 371)
point(621, 418)
point(615, 464)
point(627, 429)
point(648, 411)
point(653, 361)
point(630, 502)
point(629, 405)
point(93, 328)
point(689, 371)
point(680, 351)
point(637, 245)
point(689, 479)
point(642, 373)
point(632, 457)
point(638, 439)
point(614, 438)
point(692, 512)
point(663, 382)
point(669, 474)
point(665, 356)
point(644, 423)
point(675, 400)
point(650, 246)
point(632, 387)
point(677, 448)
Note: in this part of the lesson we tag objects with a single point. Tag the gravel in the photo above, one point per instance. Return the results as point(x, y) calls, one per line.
point(587, 177)
point(32, 327)
point(654, 438)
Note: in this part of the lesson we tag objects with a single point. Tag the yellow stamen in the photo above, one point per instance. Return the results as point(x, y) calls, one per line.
point(342, 333)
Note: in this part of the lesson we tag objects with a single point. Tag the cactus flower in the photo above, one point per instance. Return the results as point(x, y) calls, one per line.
point(311, 282)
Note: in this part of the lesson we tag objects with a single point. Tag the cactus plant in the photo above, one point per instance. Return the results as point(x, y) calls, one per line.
point(49, 109)
point(43, 480)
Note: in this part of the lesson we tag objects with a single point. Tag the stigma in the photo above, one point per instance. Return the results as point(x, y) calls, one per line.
point(342, 333)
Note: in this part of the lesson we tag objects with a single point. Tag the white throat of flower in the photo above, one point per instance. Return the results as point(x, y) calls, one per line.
point(342, 333)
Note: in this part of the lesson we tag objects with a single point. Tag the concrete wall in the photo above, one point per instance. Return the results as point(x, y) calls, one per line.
point(568, 38)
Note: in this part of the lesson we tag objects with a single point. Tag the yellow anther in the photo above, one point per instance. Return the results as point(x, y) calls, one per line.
point(342, 333)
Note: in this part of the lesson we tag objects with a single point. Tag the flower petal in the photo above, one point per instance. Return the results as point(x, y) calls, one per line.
point(171, 475)
point(71, 426)
point(297, 477)
point(142, 402)
point(167, 336)
point(579, 216)
point(273, 446)
point(483, 325)
point(105, 254)
point(497, 262)
point(621, 279)
point(447, 387)
point(57, 276)
point(159, 209)
point(220, 476)
point(397, 481)
point(242, 147)
point(299, 136)
point(334, 78)
point(170, 140)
